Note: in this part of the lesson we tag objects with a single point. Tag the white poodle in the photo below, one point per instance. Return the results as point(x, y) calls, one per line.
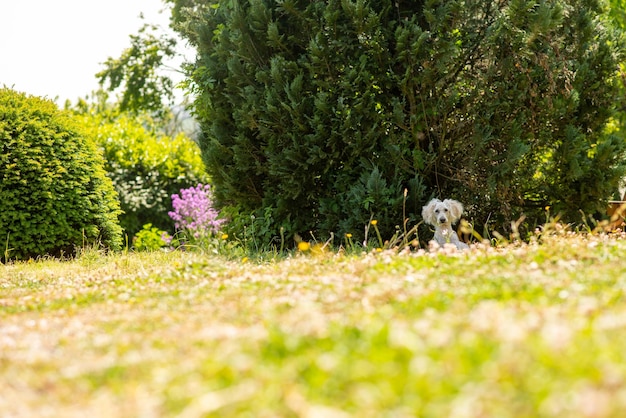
point(442, 215)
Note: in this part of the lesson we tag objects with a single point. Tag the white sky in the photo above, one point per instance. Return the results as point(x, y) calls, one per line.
point(54, 48)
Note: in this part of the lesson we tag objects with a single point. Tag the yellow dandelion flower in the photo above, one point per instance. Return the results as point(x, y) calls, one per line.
point(243, 260)
point(374, 222)
point(224, 236)
point(348, 235)
point(547, 207)
point(379, 250)
point(304, 246)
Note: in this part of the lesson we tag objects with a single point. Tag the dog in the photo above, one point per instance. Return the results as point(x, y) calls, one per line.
point(442, 215)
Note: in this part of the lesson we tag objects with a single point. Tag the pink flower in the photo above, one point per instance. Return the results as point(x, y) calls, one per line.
point(194, 213)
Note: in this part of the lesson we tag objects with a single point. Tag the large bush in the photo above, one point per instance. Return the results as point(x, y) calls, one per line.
point(147, 167)
point(317, 115)
point(54, 193)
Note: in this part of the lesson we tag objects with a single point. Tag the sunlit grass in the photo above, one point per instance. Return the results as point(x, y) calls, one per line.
point(523, 330)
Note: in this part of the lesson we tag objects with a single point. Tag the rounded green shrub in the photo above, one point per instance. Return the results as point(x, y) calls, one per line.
point(54, 193)
point(147, 166)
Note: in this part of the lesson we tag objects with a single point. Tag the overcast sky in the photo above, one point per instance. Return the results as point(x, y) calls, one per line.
point(54, 48)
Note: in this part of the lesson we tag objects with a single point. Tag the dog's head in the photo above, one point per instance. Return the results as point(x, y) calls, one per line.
point(438, 213)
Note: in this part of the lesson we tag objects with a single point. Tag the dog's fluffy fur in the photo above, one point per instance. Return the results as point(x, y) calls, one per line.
point(442, 215)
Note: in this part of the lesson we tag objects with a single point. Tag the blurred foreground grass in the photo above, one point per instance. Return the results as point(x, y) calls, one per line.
point(522, 331)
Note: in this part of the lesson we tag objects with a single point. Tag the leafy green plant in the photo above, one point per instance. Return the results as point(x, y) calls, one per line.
point(54, 191)
point(151, 238)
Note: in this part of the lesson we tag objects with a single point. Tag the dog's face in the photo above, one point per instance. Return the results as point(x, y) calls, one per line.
point(440, 213)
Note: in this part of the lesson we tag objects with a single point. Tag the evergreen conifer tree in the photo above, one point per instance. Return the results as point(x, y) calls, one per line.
point(316, 116)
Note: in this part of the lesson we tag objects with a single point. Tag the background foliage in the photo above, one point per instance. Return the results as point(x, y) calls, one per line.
point(147, 166)
point(137, 69)
point(617, 13)
point(54, 192)
point(317, 115)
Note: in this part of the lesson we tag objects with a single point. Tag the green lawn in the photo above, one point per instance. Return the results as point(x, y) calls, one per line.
point(521, 331)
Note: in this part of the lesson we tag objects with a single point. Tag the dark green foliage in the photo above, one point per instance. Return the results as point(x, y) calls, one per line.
point(317, 115)
point(54, 193)
point(618, 17)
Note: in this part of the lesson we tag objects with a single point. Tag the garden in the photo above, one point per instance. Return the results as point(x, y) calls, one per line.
point(275, 257)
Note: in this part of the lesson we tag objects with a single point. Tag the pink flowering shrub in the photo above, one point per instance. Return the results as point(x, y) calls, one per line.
point(194, 214)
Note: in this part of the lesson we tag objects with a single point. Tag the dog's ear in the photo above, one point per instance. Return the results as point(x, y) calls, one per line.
point(456, 208)
point(428, 212)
